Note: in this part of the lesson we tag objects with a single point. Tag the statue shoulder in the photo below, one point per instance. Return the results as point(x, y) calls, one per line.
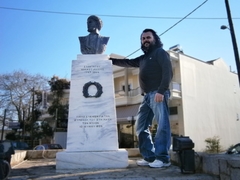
point(82, 38)
point(104, 39)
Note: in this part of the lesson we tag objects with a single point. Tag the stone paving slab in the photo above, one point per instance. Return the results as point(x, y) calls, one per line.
point(44, 169)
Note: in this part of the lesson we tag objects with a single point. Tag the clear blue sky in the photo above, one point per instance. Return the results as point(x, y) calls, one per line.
point(46, 43)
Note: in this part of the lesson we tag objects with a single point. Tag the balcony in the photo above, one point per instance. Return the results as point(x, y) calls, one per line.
point(175, 89)
point(134, 95)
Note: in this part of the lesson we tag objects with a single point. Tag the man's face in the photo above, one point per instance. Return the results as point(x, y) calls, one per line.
point(92, 25)
point(147, 41)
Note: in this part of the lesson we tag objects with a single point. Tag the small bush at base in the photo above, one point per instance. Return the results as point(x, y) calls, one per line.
point(213, 145)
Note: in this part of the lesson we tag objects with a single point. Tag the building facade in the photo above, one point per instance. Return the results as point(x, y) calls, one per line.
point(204, 102)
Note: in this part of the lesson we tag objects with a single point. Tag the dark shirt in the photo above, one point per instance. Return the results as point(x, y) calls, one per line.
point(155, 70)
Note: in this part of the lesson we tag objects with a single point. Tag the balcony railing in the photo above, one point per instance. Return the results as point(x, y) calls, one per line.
point(131, 93)
point(174, 87)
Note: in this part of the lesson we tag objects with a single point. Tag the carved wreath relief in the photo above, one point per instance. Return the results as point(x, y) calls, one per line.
point(86, 89)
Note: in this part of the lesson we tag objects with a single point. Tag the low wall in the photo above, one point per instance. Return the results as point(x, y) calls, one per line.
point(18, 157)
point(225, 166)
point(38, 154)
point(222, 166)
point(21, 155)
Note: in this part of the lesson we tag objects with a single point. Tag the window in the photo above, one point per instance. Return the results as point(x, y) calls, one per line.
point(129, 87)
point(173, 110)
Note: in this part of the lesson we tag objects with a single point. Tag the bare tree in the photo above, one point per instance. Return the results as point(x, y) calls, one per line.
point(17, 92)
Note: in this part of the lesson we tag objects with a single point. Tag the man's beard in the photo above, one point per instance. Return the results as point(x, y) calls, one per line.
point(149, 48)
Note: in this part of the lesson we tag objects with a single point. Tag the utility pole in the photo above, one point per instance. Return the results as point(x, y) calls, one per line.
point(33, 116)
point(3, 123)
point(23, 126)
point(234, 42)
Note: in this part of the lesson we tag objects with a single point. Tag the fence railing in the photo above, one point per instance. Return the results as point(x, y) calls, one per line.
point(131, 93)
point(174, 86)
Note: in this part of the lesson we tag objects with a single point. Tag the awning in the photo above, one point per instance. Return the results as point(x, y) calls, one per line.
point(124, 112)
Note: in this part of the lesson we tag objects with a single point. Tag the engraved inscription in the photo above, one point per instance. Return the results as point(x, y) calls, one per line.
point(92, 121)
point(92, 69)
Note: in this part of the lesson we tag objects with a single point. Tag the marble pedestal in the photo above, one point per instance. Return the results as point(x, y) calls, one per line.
point(92, 140)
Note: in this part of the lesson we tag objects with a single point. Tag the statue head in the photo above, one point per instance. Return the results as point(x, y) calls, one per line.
point(93, 43)
point(94, 23)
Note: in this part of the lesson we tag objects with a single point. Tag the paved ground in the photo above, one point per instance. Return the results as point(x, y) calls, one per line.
point(45, 169)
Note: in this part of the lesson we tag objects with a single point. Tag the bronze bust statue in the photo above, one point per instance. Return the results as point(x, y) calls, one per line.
point(93, 43)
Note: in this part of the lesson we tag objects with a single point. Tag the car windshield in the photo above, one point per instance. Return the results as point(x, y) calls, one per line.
point(23, 145)
point(54, 146)
point(234, 150)
point(20, 145)
point(39, 148)
point(14, 144)
point(48, 146)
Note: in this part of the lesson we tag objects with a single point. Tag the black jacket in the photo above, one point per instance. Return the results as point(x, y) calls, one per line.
point(155, 70)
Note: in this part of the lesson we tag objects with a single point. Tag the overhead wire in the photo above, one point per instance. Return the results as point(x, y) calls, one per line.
point(173, 25)
point(108, 15)
point(121, 16)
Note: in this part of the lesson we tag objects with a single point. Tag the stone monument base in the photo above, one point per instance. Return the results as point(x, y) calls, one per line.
point(73, 160)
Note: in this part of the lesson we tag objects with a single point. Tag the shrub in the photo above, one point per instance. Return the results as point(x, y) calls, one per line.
point(213, 145)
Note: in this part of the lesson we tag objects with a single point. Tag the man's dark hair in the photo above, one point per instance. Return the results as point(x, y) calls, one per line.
point(156, 37)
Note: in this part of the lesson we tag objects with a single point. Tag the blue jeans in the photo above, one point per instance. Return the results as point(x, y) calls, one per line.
point(148, 110)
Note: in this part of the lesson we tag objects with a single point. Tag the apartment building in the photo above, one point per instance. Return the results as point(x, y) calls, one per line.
point(204, 102)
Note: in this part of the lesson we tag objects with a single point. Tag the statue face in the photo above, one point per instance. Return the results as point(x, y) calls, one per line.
point(92, 25)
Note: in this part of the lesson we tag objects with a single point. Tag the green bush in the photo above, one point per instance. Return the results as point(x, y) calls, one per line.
point(213, 145)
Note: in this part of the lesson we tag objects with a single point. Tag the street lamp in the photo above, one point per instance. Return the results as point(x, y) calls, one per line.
point(223, 27)
point(235, 49)
point(234, 42)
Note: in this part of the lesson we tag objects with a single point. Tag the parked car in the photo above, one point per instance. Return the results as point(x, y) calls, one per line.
point(47, 146)
point(234, 149)
point(19, 145)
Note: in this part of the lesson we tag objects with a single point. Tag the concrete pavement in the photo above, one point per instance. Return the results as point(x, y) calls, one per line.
point(44, 169)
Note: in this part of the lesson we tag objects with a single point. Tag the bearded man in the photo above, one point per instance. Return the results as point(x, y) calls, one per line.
point(155, 74)
point(93, 43)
